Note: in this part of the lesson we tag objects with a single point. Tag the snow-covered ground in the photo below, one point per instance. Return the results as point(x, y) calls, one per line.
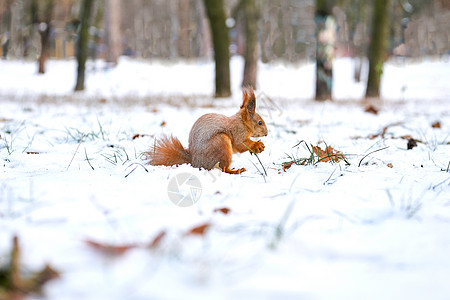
point(71, 171)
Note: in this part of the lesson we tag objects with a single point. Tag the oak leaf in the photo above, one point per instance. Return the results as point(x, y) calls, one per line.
point(224, 210)
point(287, 165)
point(157, 239)
point(109, 249)
point(436, 124)
point(199, 230)
point(371, 109)
point(329, 154)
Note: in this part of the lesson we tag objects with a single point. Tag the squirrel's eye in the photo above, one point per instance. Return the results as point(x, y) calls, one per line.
point(259, 122)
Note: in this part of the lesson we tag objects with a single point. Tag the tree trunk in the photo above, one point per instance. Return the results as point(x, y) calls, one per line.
point(216, 14)
point(378, 44)
point(251, 43)
point(325, 36)
point(184, 20)
point(83, 40)
point(113, 36)
point(44, 31)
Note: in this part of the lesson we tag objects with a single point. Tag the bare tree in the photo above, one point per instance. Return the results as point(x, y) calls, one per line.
point(216, 14)
point(45, 28)
point(378, 44)
point(184, 28)
point(325, 30)
point(83, 40)
point(251, 44)
point(112, 26)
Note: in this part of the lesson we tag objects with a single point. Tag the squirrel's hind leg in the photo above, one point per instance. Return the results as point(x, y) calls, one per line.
point(238, 171)
point(224, 151)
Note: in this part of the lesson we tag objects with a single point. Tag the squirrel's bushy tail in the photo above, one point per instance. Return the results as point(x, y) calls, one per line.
point(168, 151)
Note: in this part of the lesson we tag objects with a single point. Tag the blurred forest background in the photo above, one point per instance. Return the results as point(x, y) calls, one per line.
point(286, 30)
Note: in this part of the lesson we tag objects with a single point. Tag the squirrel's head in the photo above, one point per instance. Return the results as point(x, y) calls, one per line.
point(253, 120)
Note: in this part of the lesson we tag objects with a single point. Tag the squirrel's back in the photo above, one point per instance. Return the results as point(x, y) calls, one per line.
point(210, 140)
point(206, 127)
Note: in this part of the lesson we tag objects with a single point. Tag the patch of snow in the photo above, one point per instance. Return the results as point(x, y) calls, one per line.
point(364, 230)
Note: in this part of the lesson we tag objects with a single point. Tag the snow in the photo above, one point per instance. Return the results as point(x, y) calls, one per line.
point(324, 231)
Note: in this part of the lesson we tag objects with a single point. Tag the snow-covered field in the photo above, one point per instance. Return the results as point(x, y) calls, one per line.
point(72, 175)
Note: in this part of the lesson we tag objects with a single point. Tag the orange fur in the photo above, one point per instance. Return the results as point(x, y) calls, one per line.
point(214, 138)
point(168, 151)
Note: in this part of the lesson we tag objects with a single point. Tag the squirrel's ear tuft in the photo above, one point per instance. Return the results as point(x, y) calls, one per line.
point(248, 100)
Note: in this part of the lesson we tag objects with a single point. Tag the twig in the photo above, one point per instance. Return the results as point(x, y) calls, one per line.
point(81, 140)
point(370, 154)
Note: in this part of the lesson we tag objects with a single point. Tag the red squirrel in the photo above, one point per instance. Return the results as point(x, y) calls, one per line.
point(214, 138)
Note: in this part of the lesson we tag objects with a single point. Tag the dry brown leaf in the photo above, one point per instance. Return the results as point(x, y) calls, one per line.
point(157, 239)
point(390, 165)
point(108, 249)
point(224, 210)
point(406, 137)
point(18, 286)
point(199, 230)
point(163, 123)
point(371, 109)
point(140, 135)
point(436, 124)
point(329, 154)
point(287, 165)
point(411, 144)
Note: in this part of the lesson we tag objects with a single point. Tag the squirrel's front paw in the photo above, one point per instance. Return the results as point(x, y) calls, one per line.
point(258, 147)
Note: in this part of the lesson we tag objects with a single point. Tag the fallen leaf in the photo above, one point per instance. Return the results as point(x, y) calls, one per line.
point(14, 285)
point(371, 109)
point(411, 144)
point(384, 131)
point(287, 165)
point(163, 123)
point(109, 249)
point(224, 210)
point(406, 137)
point(390, 165)
point(35, 283)
point(199, 230)
point(436, 124)
point(157, 239)
point(329, 154)
point(140, 135)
